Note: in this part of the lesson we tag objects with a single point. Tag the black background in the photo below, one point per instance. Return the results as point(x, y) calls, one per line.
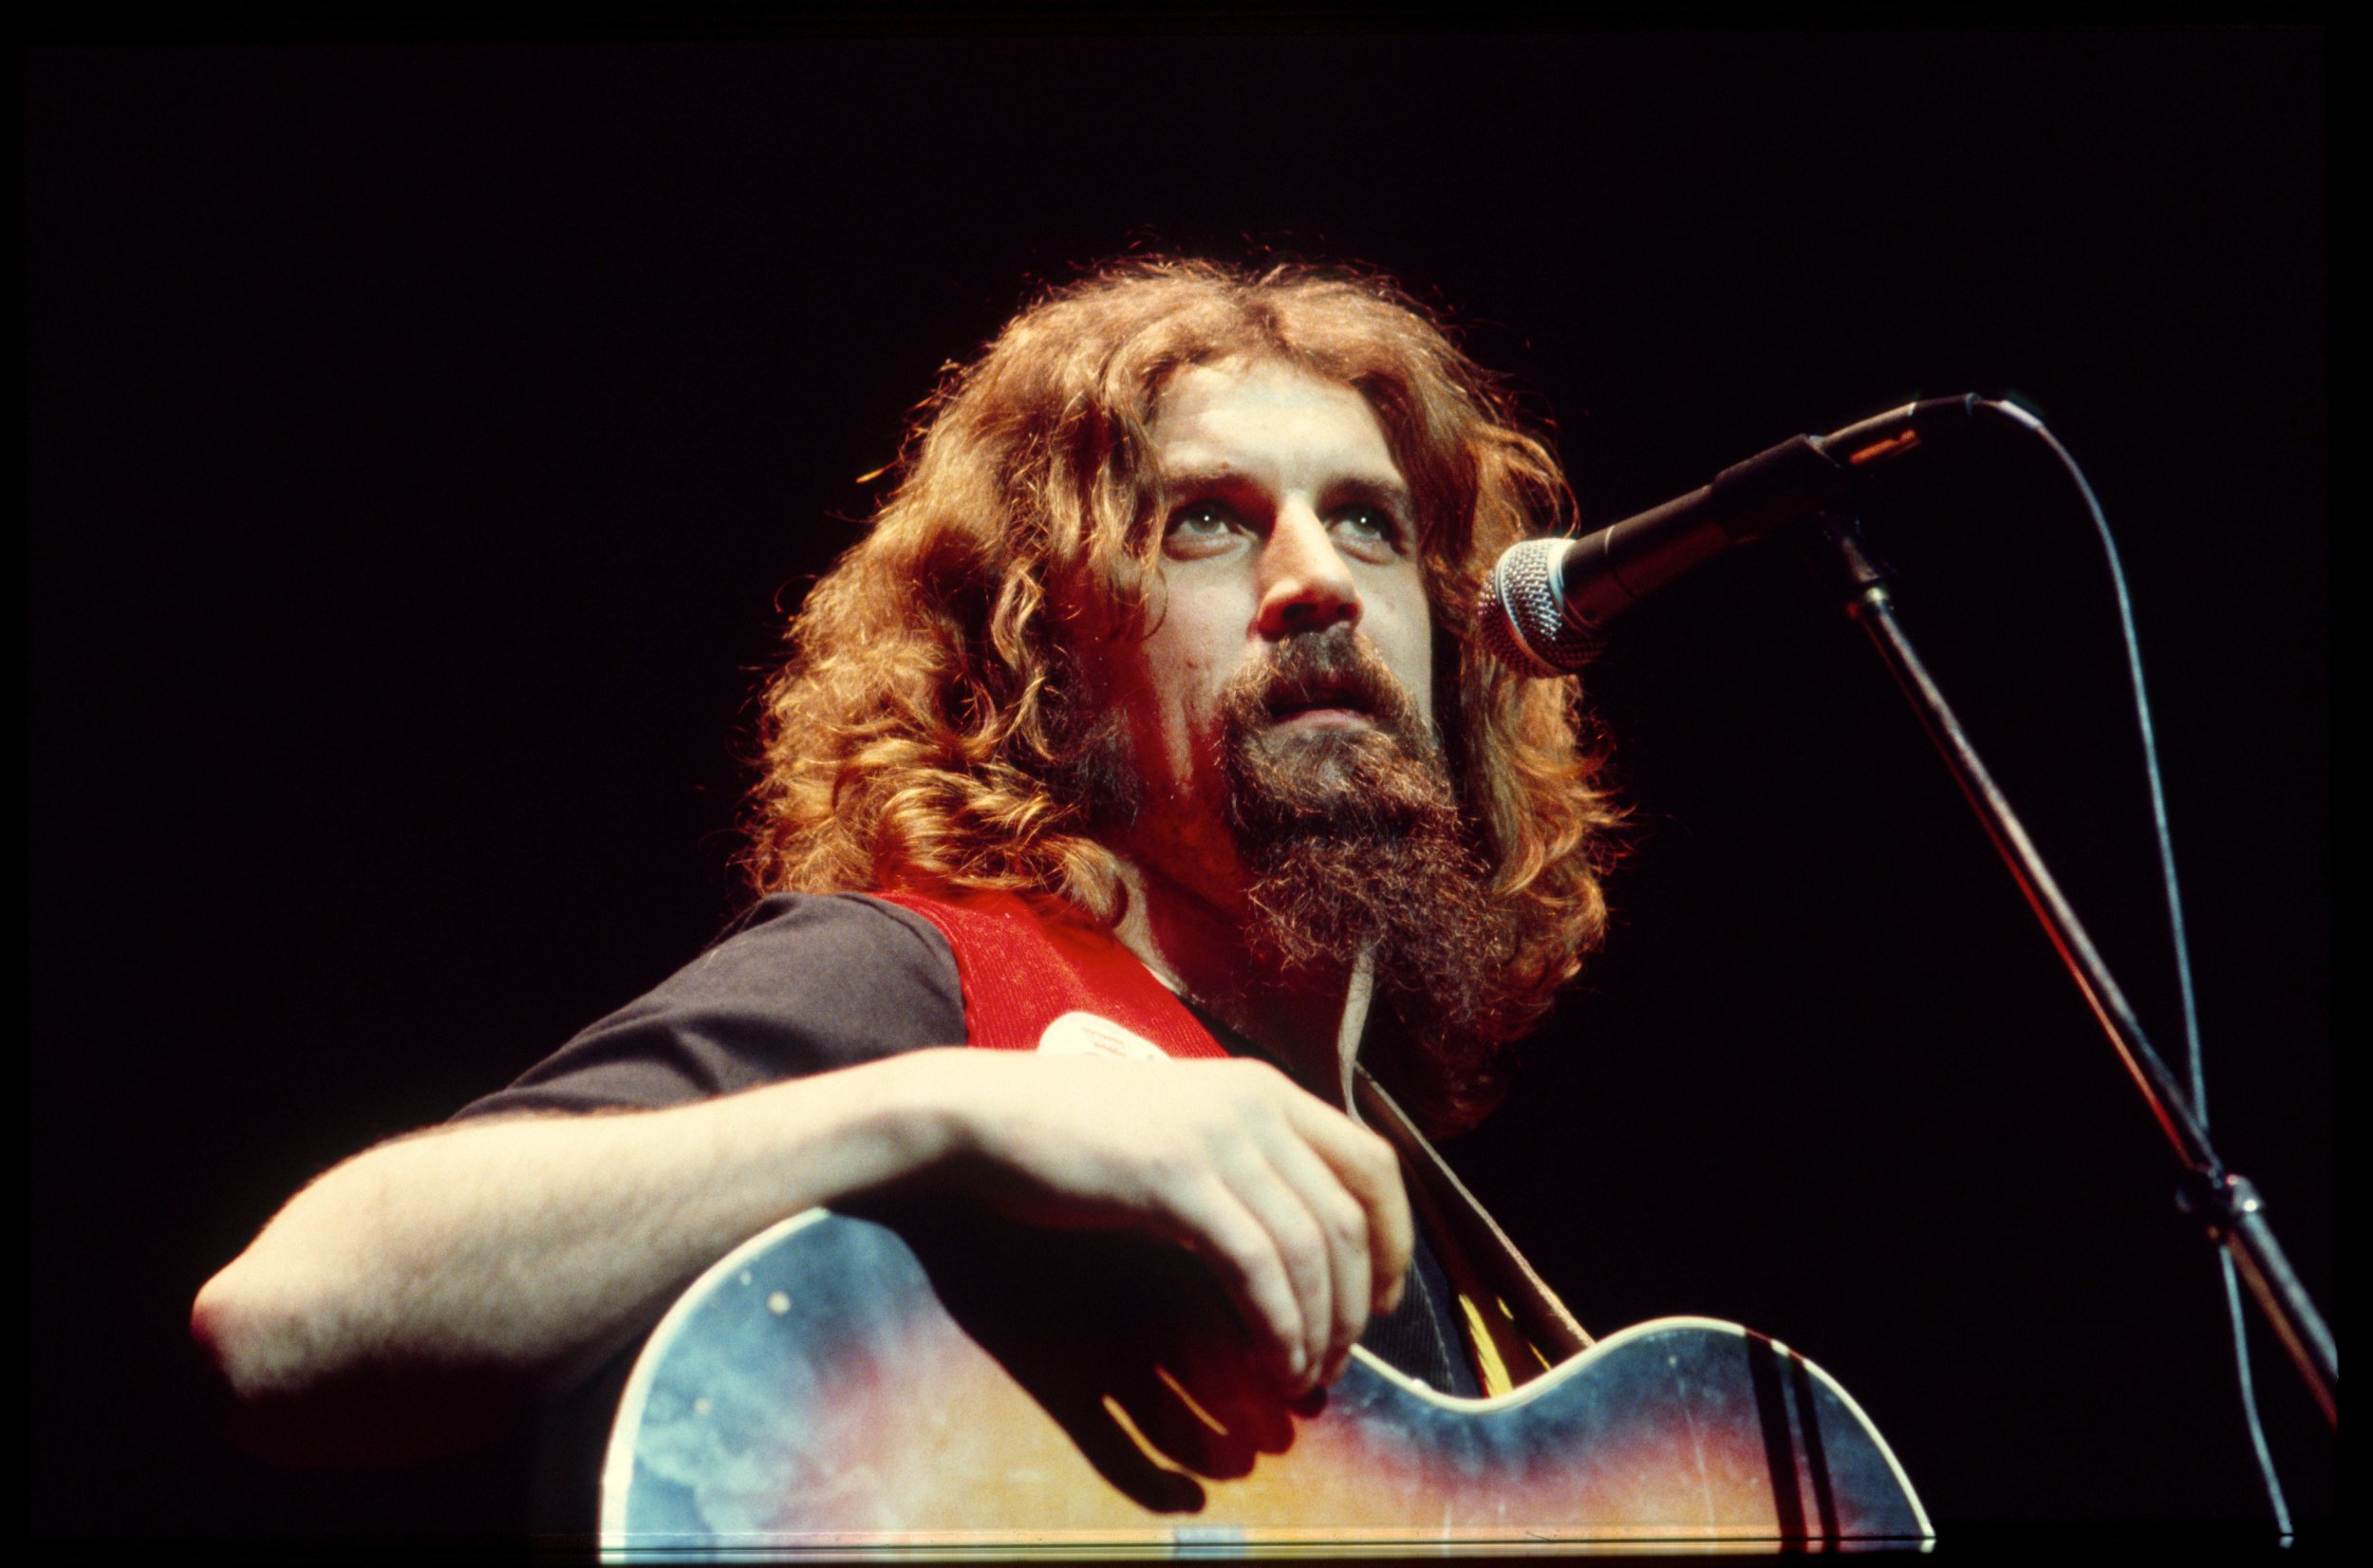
point(426, 436)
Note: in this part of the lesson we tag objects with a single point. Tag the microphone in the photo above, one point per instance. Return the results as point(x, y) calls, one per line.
point(1547, 598)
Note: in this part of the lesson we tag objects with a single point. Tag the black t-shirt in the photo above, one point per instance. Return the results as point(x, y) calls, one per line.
point(805, 984)
point(800, 985)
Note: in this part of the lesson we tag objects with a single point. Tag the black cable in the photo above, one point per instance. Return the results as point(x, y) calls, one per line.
point(2197, 1070)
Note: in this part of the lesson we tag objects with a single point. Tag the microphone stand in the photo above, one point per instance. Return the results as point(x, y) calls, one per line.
point(2223, 1199)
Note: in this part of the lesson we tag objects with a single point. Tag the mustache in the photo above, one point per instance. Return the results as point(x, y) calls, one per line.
point(1336, 668)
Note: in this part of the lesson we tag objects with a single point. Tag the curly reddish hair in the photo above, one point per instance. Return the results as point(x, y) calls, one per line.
point(923, 730)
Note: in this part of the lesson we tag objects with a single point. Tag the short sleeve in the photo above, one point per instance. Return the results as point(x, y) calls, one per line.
point(803, 985)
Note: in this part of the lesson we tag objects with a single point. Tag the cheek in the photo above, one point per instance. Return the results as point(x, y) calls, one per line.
point(1187, 660)
point(1154, 684)
point(1421, 676)
point(1406, 639)
point(1182, 686)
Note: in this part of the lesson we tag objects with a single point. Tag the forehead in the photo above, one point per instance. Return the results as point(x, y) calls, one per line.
point(1265, 419)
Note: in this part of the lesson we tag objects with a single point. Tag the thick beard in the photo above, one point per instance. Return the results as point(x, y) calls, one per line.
point(1354, 840)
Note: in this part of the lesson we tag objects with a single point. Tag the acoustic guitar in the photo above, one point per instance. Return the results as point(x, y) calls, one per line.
point(918, 1382)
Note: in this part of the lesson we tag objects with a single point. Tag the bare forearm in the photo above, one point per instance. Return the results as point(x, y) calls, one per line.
point(492, 1263)
point(427, 1287)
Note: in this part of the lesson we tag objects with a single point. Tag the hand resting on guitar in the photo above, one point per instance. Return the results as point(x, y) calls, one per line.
point(442, 1282)
point(1298, 1211)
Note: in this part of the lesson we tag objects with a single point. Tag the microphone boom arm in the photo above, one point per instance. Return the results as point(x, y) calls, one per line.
point(1547, 599)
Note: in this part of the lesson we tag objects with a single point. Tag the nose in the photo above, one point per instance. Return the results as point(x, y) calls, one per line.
point(1306, 585)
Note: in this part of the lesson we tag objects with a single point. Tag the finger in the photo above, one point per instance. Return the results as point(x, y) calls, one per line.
point(1343, 1228)
point(1371, 1173)
point(1289, 1213)
point(1212, 1220)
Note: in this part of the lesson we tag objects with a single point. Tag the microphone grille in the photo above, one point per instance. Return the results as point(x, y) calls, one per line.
point(1522, 616)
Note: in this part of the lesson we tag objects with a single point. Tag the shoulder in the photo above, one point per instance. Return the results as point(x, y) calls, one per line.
point(852, 976)
point(852, 935)
point(800, 985)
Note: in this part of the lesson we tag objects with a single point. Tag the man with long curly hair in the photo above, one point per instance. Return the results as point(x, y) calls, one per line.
point(1145, 735)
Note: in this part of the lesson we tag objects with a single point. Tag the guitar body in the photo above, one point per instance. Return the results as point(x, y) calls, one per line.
point(837, 1383)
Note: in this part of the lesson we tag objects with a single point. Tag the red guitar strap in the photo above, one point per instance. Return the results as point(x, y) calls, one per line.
point(1024, 964)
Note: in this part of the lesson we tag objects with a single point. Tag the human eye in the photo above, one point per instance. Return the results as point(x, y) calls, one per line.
point(1201, 528)
point(1375, 528)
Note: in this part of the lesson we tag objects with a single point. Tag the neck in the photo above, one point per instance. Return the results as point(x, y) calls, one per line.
point(1309, 1018)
